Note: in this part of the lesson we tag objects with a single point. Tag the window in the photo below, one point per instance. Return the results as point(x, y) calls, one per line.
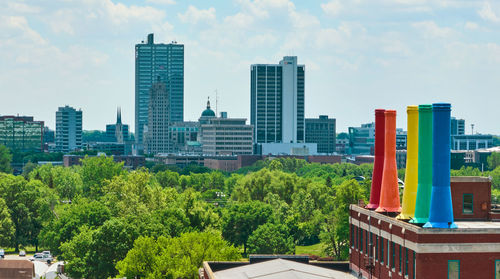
point(453, 269)
point(388, 252)
point(467, 202)
point(382, 250)
point(366, 242)
point(414, 265)
point(406, 261)
point(370, 247)
point(393, 255)
point(400, 259)
point(352, 236)
point(361, 241)
point(497, 269)
point(376, 248)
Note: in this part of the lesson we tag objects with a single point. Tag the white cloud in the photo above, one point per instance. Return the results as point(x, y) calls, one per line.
point(331, 8)
point(161, 2)
point(195, 15)
point(22, 7)
point(487, 13)
point(239, 20)
point(120, 13)
point(471, 25)
point(431, 29)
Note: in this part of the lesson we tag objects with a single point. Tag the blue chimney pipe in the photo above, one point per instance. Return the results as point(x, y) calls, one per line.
point(441, 210)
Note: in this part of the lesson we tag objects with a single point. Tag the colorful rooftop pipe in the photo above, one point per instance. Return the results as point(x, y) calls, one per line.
point(411, 175)
point(389, 192)
point(378, 165)
point(441, 210)
point(423, 200)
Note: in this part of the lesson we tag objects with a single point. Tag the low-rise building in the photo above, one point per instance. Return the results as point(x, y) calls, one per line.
point(21, 133)
point(385, 247)
point(227, 136)
point(471, 142)
point(322, 132)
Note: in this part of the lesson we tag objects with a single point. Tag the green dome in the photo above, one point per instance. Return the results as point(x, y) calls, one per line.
point(208, 112)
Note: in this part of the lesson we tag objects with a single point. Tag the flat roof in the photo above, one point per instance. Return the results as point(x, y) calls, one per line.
point(464, 227)
point(280, 269)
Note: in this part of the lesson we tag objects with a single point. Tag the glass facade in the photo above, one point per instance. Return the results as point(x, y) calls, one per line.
point(266, 104)
point(153, 62)
point(21, 133)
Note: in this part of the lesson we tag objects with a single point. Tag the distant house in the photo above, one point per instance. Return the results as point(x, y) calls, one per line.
point(16, 269)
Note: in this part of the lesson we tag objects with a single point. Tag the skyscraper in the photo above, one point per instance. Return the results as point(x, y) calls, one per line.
point(21, 133)
point(68, 129)
point(156, 134)
point(152, 61)
point(277, 101)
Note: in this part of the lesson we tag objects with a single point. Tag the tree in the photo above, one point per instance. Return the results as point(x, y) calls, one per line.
point(336, 230)
point(466, 171)
point(241, 219)
point(7, 228)
point(29, 205)
point(178, 257)
point(271, 238)
point(95, 170)
point(494, 160)
point(5, 159)
point(71, 218)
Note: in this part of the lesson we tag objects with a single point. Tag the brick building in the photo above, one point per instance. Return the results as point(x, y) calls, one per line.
point(385, 247)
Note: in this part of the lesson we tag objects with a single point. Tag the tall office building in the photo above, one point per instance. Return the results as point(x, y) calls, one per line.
point(68, 129)
point(21, 133)
point(156, 133)
point(152, 61)
point(321, 131)
point(277, 101)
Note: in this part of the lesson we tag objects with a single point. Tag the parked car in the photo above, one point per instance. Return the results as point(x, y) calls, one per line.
point(41, 257)
point(46, 253)
point(2, 254)
point(22, 253)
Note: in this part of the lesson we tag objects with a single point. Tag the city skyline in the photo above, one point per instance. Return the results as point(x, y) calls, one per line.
point(355, 60)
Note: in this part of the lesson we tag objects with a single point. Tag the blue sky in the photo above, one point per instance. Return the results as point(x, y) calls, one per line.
point(359, 55)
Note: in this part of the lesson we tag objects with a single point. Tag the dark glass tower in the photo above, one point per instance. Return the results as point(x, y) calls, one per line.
point(277, 101)
point(165, 61)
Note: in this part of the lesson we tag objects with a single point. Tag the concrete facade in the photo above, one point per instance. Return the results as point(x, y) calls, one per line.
point(227, 136)
point(68, 129)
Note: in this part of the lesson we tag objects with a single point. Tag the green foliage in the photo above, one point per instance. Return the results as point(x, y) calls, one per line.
point(271, 238)
point(95, 136)
point(240, 220)
point(495, 178)
point(7, 228)
point(336, 230)
point(5, 159)
point(95, 170)
point(466, 171)
point(29, 205)
point(178, 257)
point(494, 160)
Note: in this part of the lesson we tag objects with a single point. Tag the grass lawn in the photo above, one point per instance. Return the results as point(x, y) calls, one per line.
point(315, 249)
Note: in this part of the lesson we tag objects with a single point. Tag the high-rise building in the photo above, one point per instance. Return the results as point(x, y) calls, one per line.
point(457, 126)
point(152, 61)
point(156, 133)
point(21, 133)
point(277, 101)
point(321, 131)
point(68, 129)
point(118, 132)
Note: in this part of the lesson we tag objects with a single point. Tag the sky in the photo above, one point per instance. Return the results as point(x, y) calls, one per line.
point(359, 55)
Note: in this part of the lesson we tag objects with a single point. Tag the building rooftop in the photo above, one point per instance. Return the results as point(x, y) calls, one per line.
point(280, 268)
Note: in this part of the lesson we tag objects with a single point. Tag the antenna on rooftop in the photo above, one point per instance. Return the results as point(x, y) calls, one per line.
point(216, 102)
point(472, 128)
